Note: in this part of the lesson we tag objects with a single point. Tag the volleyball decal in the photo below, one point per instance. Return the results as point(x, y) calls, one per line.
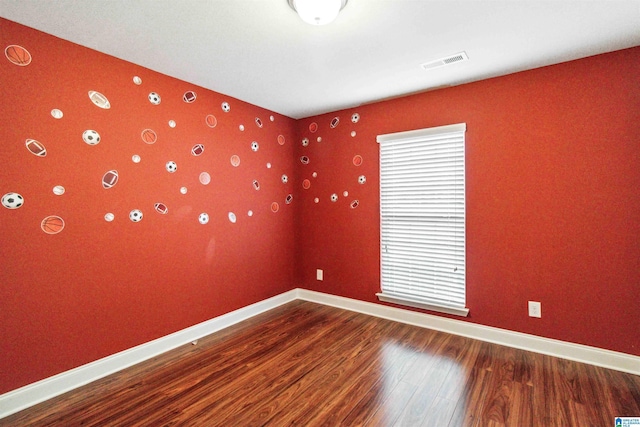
point(211, 120)
point(149, 136)
point(189, 97)
point(171, 166)
point(335, 122)
point(235, 161)
point(12, 200)
point(232, 217)
point(281, 139)
point(135, 215)
point(58, 190)
point(154, 98)
point(197, 150)
point(313, 127)
point(17, 55)
point(204, 178)
point(56, 114)
point(357, 160)
point(110, 178)
point(275, 207)
point(203, 218)
point(137, 80)
point(99, 100)
point(258, 122)
point(35, 147)
point(91, 137)
point(161, 208)
point(52, 224)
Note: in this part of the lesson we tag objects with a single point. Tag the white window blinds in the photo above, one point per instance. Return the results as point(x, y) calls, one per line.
point(422, 212)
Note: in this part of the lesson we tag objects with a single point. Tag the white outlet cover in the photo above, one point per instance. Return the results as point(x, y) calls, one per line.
point(535, 309)
point(319, 274)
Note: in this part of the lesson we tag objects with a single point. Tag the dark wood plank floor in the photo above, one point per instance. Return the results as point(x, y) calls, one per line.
point(305, 364)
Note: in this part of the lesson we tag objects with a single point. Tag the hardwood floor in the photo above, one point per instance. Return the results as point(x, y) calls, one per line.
point(305, 364)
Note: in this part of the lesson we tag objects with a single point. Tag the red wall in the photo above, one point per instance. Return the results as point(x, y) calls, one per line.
point(100, 287)
point(553, 202)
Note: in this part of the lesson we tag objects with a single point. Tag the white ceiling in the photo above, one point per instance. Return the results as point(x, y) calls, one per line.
point(259, 50)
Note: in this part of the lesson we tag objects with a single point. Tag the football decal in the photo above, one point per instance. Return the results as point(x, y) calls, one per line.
point(211, 120)
point(135, 215)
point(36, 147)
point(52, 224)
point(110, 179)
point(313, 127)
point(232, 217)
point(281, 139)
point(204, 178)
point(258, 122)
point(91, 137)
point(99, 100)
point(256, 184)
point(189, 97)
point(58, 190)
point(12, 200)
point(56, 114)
point(235, 161)
point(149, 136)
point(161, 208)
point(354, 204)
point(357, 160)
point(275, 207)
point(197, 149)
point(289, 199)
point(335, 122)
point(17, 55)
point(203, 218)
point(154, 98)
point(171, 166)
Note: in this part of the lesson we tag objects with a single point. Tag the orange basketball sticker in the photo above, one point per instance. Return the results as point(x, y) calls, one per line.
point(18, 55)
point(36, 147)
point(306, 184)
point(52, 224)
point(211, 120)
point(275, 207)
point(281, 139)
point(235, 161)
point(357, 160)
point(313, 127)
point(149, 136)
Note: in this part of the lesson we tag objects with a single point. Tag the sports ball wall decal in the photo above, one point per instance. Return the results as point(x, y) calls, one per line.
point(189, 97)
point(36, 147)
point(161, 208)
point(17, 55)
point(172, 123)
point(354, 204)
point(136, 158)
point(255, 146)
point(304, 160)
point(58, 190)
point(288, 199)
point(52, 224)
point(149, 136)
point(99, 100)
point(256, 184)
point(355, 118)
point(91, 137)
point(56, 114)
point(258, 122)
point(203, 218)
point(334, 197)
point(12, 200)
point(275, 207)
point(357, 160)
point(204, 178)
point(235, 160)
point(135, 215)
point(281, 139)
point(362, 179)
point(335, 122)
point(313, 127)
point(110, 178)
point(197, 150)
point(306, 184)
point(171, 166)
point(211, 120)
point(225, 107)
point(232, 217)
point(154, 98)
point(109, 217)
point(305, 142)
point(137, 80)
point(284, 178)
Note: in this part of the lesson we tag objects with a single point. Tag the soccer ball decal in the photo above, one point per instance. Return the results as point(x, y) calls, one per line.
point(254, 146)
point(12, 200)
point(285, 179)
point(171, 166)
point(154, 98)
point(226, 107)
point(334, 197)
point(91, 137)
point(362, 179)
point(135, 215)
point(203, 218)
point(305, 142)
point(355, 118)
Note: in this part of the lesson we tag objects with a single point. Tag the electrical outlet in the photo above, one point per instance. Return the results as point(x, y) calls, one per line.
point(535, 309)
point(319, 274)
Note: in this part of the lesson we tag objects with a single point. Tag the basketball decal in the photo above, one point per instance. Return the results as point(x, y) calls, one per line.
point(204, 178)
point(211, 120)
point(197, 150)
point(12, 200)
point(52, 224)
point(91, 137)
point(357, 160)
point(189, 97)
point(135, 215)
point(17, 55)
point(110, 178)
point(235, 161)
point(232, 217)
point(313, 127)
point(161, 208)
point(335, 122)
point(154, 98)
point(56, 114)
point(281, 139)
point(258, 122)
point(99, 100)
point(58, 190)
point(149, 136)
point(35, 147)
point(306, 184)
point(275, 207)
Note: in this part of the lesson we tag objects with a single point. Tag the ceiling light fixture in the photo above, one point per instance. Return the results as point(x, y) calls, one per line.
point(317, 12)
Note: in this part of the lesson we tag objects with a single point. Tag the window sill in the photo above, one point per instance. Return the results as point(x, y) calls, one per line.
point(462, 312)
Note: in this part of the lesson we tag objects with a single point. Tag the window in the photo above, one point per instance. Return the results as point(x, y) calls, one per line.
point(422, 218)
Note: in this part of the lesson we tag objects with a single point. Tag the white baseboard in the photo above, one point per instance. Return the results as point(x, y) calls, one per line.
point(32, 394)
point(566, 350)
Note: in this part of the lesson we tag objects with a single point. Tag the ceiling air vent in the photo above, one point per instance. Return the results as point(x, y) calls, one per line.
point(458, 57)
